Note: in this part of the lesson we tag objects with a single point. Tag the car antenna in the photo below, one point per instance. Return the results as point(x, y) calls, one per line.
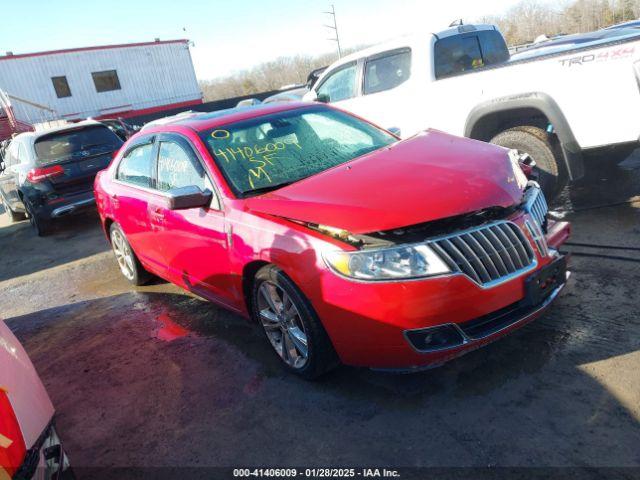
point(456, 23)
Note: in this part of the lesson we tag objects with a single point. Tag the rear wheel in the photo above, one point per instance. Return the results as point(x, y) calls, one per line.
point(291, 325)
point(536, 143)
point(40, 225)
point(129, 264)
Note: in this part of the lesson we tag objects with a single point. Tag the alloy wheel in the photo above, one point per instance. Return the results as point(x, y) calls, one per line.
point(123, 254)
point(283, 325)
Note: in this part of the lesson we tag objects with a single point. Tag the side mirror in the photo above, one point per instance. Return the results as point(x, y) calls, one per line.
point(188, 197)
point(323, 98)
point(395, 131)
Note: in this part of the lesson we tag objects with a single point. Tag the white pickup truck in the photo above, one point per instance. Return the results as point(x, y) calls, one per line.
point(555, 105)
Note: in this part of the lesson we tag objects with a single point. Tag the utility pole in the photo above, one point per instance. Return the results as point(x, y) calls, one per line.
point(334, 27)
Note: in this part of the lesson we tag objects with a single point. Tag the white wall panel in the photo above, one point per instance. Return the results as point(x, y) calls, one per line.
point(150, 75)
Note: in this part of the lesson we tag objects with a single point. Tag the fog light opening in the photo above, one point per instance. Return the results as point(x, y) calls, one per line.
point(434, 339)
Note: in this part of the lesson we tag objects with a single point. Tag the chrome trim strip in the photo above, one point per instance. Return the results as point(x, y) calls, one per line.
point(60, 211)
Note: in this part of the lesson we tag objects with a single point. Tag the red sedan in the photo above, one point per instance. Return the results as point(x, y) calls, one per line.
point(344, 243)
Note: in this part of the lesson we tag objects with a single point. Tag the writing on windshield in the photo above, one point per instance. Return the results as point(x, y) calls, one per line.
point(283, 148)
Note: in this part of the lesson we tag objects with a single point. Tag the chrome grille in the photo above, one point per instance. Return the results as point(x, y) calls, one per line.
point(487, 254)
point(536, 205)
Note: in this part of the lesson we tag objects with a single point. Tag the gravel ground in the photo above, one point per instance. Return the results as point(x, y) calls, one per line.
point(154, 376)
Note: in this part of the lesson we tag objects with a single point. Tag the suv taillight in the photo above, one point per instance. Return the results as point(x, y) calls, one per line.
point(37, 175)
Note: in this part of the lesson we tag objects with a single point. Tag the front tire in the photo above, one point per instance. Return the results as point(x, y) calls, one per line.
point(536, 143)
point(130, 266)
point(290, 324)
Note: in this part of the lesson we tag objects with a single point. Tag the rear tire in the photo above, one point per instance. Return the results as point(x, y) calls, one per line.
point(536, 143)
point(288, 320)
point(40, 225)
point(130, 266)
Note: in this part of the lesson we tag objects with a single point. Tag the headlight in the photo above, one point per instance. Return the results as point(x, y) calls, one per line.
point(409, 261)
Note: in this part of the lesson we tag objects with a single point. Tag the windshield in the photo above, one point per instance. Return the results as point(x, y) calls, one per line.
point(272, 151)
point(81, 143)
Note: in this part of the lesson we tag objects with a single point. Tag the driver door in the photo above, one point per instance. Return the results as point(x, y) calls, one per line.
point(194, 240)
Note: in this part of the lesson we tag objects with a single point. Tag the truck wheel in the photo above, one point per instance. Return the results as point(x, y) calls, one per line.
point(291, 325)
point(536, 143)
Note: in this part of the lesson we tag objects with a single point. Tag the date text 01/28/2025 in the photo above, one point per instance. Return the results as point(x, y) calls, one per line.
point(315, 473)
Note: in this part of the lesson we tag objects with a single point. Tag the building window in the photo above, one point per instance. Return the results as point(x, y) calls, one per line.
point(61, 86)
point(106, 81)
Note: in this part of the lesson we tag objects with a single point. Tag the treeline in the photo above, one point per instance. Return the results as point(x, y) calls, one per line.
point(265, 76)
point(520, 24)
point(529, 18)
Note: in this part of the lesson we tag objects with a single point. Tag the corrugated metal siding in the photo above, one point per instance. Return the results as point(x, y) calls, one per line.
point(150, 76)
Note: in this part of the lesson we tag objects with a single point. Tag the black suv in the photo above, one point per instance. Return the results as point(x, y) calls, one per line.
point(48, 174)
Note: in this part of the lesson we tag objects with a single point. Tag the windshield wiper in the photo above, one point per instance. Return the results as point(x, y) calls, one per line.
point(270, 188)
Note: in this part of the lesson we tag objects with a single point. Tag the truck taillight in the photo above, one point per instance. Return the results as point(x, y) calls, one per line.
point(12, 447)
point(37, 175)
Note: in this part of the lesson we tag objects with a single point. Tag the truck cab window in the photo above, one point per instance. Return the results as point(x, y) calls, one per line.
point(494, 49)
point(457, 54)
point(339, 85)
point(387, 71)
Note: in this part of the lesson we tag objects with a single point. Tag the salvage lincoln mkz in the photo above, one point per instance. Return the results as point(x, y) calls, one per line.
point(344, 243)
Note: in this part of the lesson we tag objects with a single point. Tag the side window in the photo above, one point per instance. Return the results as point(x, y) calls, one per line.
point(340, 85)
point(179, 168)
point(22, 154)
point(457, 54)
point(136, 166)
point(494, 48)
point(386, 72)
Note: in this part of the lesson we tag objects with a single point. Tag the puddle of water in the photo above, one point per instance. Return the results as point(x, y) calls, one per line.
point(168, 330)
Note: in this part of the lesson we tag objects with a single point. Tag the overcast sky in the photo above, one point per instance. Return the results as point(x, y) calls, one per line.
point(228, 35)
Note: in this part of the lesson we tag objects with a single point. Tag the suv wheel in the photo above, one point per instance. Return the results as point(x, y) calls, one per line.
point(127, 260)
point(291, 325)
point(40, 225)
point(536, 143)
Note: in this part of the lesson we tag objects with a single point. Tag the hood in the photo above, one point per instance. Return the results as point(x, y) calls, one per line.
point(20, 382)
point(430, 176)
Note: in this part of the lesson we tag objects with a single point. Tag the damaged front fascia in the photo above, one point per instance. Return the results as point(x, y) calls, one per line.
point(414, 233)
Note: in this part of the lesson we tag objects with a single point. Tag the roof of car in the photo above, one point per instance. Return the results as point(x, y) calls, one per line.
point(206, 120)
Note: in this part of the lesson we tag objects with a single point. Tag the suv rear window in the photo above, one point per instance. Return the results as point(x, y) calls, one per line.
point(76, 144)
point(460, 53)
